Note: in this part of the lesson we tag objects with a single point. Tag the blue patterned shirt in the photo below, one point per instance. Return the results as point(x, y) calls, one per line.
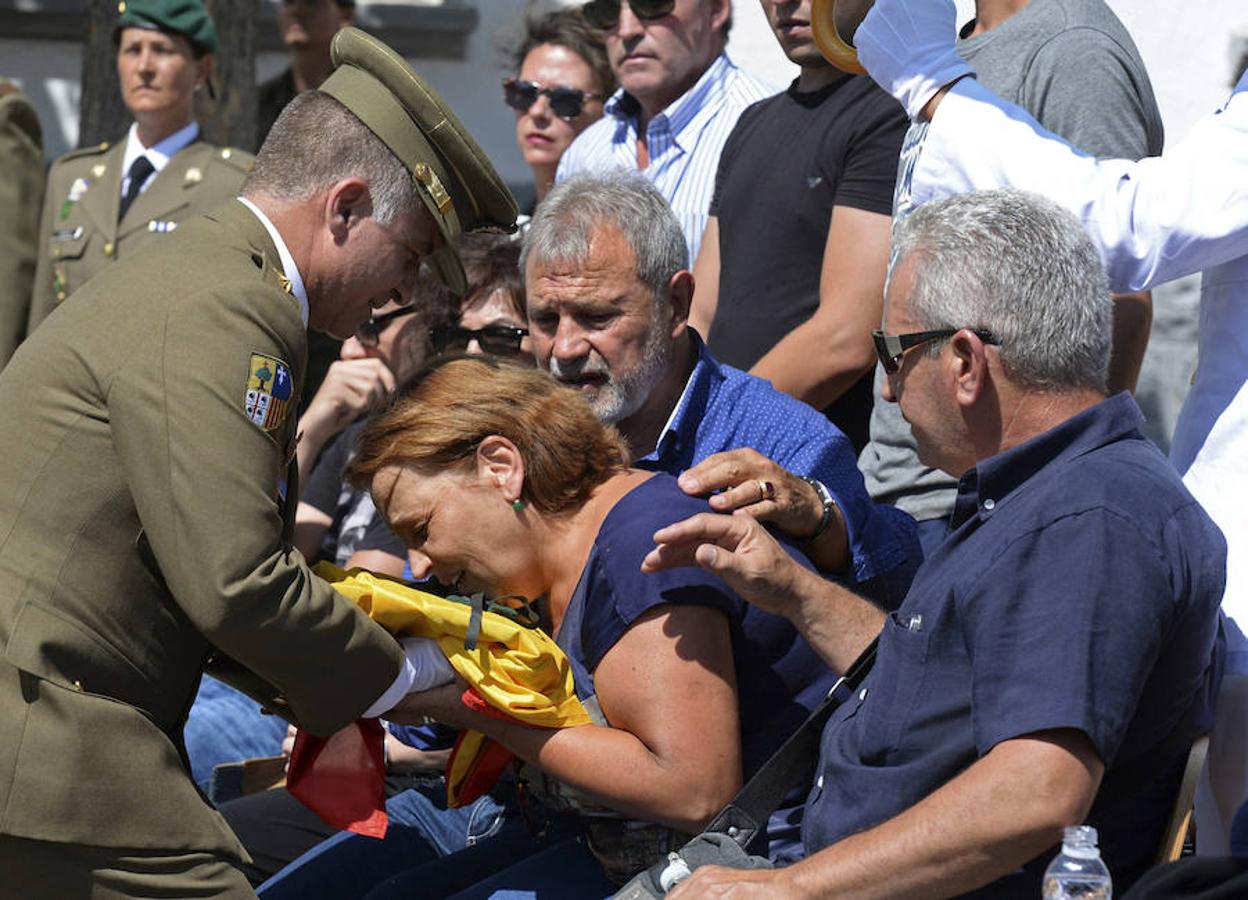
point(684, 141)
point(723, 408)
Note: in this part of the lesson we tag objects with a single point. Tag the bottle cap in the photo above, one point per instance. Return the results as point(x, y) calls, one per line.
point(1079, 841)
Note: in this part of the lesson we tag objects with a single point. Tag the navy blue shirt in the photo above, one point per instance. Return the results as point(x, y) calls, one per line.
point(780, 679)
point(1078, 588)
point(723, 408)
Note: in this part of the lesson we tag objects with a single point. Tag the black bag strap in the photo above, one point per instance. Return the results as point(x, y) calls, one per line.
point(747, 813)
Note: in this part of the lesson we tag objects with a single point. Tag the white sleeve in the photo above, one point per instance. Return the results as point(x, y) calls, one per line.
point(1155, 220)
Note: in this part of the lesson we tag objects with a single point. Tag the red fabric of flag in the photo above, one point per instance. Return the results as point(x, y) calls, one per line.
point(342, 778)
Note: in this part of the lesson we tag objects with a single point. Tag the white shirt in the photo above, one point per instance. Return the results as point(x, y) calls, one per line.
point(1154, 220)
point(158, 154)
point(288, 262)
point(684, 141)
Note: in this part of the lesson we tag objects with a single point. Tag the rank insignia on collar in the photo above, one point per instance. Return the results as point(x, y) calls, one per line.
point(193, 176)
point(285, 283)
point(269, 391)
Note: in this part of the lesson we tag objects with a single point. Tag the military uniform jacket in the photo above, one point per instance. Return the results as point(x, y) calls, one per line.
point(79, 233)
point(148, 428)
point(21, 190)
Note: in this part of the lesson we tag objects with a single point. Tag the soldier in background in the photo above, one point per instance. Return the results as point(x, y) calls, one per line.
point(103, 202)
point(21, 189)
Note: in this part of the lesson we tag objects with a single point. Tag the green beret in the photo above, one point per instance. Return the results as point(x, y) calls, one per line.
point(188, 18)
point(454, 177)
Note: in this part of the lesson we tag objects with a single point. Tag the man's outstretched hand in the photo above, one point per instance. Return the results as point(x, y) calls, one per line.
point(738, 549)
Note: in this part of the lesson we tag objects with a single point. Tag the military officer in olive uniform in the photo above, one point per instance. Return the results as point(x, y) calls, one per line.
point(147, 491)
point(103, 202)
point(21, 190)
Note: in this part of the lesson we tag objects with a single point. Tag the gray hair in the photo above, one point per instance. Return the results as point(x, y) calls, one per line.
point(1022, 267)
point(566, 220)
point(317, 141)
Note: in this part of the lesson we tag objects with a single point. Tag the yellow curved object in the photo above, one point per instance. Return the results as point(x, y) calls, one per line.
point(834, 48)
point(517, 670)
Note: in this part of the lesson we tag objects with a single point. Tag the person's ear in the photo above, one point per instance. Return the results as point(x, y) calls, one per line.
point(720, 11)
point(968, 370)
point(499, 463)
point(203, 73)
point(346, 203)
point(679, 298)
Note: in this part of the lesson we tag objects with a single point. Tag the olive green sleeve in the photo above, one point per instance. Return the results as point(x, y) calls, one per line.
point(21, 189)
point(205, 482)
point(42, 293)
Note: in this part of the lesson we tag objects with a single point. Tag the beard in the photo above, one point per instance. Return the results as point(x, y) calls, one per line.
point(621, 394)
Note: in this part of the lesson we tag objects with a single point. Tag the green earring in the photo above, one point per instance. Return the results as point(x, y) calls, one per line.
point(517, 505)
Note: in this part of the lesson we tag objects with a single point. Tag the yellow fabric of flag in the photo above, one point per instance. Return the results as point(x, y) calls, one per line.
point(518, 670)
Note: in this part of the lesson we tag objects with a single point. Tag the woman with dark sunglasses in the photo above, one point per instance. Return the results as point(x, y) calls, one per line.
point(492, 314)
point(562, 78)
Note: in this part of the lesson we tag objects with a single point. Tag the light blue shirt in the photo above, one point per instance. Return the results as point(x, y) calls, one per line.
point(684, 141)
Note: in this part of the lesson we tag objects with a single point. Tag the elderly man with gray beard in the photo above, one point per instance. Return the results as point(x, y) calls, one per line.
point(608, 282)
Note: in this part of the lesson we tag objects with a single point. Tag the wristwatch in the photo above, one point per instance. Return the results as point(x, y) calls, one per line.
point(829, 507)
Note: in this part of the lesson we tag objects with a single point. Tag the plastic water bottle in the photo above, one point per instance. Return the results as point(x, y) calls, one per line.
point(1078, 871)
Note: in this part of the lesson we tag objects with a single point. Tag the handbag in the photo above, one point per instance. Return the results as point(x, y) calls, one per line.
point(724, 840)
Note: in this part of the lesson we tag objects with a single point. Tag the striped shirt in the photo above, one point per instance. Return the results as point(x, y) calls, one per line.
point(684, 141)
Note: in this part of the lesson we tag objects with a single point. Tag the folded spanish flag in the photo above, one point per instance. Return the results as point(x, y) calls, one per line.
point(516, 671)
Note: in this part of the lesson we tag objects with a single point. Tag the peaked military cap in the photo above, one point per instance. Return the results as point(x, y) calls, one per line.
point(188, 18)
point(454, 177)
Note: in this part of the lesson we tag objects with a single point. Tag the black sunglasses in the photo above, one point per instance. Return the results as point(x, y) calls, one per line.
point(606, 13)
point(565, 102)
point(500, 340)
point(890, 348)
point(368, 333)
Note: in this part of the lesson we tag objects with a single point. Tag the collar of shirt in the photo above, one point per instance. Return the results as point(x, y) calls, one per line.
point(684, 114)
point(685, 414)
point(288, 261)
point(984, 487)
point(158, 154)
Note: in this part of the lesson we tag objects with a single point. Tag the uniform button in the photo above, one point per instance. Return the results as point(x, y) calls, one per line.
point(78, 686)
point(227, 153)
point(56, 254)
point(60, 295)
point(108, 249)
point(990, 504)
point(862, 694)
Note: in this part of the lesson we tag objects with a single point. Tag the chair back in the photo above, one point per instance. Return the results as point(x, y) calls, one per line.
point(1181, 816)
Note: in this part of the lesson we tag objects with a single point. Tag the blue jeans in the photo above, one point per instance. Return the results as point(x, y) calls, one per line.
point(421, 830)
point(512, 864)
point(226, 726)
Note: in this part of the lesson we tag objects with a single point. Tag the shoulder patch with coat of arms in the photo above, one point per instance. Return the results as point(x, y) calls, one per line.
point(269, 391)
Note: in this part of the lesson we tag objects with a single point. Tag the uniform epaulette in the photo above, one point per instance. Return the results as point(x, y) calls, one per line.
point(234, 158)
point(93, 150)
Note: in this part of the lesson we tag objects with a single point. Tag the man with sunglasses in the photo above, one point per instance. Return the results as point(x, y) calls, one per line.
point(1056, 657)
point(679, 97)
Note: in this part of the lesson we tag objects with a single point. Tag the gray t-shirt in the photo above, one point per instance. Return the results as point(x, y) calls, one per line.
point(1073, 66)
